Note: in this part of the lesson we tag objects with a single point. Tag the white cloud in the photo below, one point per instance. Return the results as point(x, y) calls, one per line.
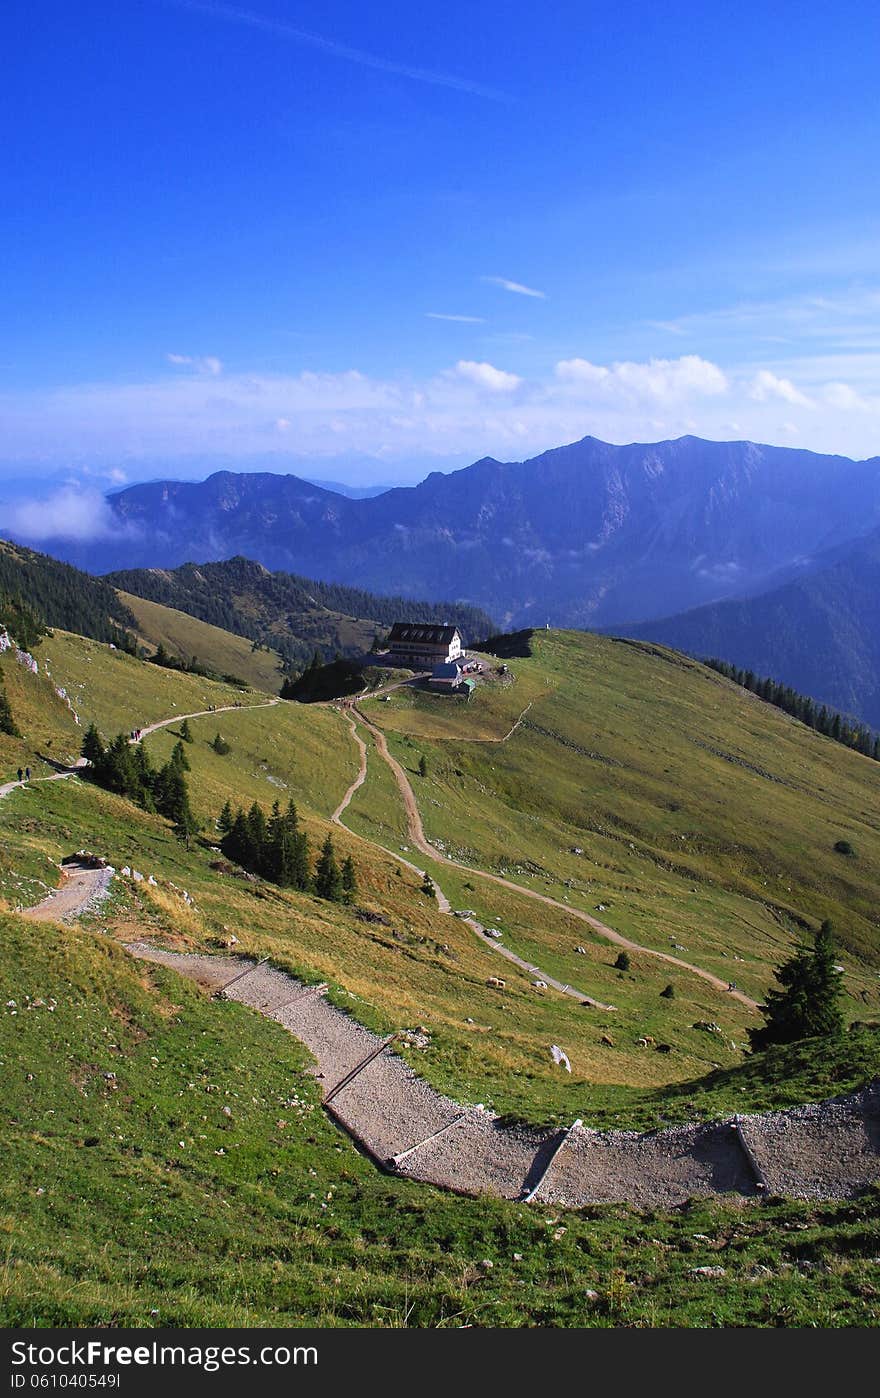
point(487, 376)
point(516, 287)
point(845, 397)
point(470, 409)
point(203, 364)
point(67, 514)
point(279, 29)
point(461, 320)
point(766, 385)
point(665, 380)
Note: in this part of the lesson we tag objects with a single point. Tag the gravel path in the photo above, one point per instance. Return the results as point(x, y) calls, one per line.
point(359, 779)
point(827, 1151)
point(82, 890)
point(201, 713)
point(417, 836)
point(7, 787)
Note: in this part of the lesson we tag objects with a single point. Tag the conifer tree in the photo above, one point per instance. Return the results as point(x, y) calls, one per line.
point(179, 758)
point(185, 733)
point(328, 879)
point(7, 722)
point(92, 748)
point(807, 1006)
point(225, 819)
point(349, 881)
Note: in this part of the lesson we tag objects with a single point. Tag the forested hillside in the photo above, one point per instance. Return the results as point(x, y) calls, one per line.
point(291, 614)
point(60, 595)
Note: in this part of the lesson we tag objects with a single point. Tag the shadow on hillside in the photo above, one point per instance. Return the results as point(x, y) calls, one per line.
point(511, 645)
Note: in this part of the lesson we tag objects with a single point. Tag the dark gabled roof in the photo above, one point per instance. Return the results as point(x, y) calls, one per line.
point(417, 633)
point(447, 670)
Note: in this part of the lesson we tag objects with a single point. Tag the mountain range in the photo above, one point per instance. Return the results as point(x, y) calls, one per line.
point(677, 540)
point(584, 535)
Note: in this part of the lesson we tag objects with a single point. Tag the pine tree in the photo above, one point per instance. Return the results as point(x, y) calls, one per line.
point(92, 748)
point(807, 1006)
point(257, 841)
point(423, 766)
point(179, 758)
point(185, 733)
point(349, 881)
point(428, 886)
point(225, 819)
point(236, 843)
point(7, 722)
point(220, 745)
point(328, 879)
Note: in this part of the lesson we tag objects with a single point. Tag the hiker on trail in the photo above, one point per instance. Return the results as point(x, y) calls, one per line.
point(27, 774)
point(20, 774)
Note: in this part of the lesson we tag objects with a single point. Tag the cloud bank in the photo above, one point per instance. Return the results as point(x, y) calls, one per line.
point(67, 513)
point(466, 410)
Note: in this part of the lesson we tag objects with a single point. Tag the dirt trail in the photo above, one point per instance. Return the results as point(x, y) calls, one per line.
point(442, 900)
point(81, 890)
point(359, 779)
point(55, 777)
point(202, 713)
point(827, 1151)
point(417, 835)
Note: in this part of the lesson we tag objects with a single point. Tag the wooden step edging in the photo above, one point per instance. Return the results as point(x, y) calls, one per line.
point(310, 992)
point(395, 1161)
point(359, 1067)
point(761, 1182)
point(240, 977)
point(529, 1195)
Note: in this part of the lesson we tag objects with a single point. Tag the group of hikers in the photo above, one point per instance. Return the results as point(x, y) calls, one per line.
point(24, 775)
point(135, 735)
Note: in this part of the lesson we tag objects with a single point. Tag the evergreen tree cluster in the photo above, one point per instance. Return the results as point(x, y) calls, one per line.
point(37, 591)
point(7, 722)
point(125, 768)
point(818, 716)
point(807, 1005)
point(193, 666)
point(278, 850)
point(320, 682)
point(21, 622)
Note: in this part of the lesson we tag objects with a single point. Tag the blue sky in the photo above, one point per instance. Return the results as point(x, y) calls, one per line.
point(385, 237)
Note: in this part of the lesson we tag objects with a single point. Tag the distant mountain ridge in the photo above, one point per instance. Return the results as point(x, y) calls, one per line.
point(820, 633)
point(585, 535)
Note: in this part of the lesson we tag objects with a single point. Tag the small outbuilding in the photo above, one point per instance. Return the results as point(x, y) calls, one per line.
point(446, 676)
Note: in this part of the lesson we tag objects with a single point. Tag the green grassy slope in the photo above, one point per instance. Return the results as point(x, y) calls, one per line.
point(705, 818)
point(166, 1164)
point(115, 1219)
point(186, 637)
point(119, 692)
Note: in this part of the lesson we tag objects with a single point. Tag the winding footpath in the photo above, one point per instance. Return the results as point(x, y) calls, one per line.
point(443, 902)
point(818, 1152)
point(416, 834)
point(202, 713)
